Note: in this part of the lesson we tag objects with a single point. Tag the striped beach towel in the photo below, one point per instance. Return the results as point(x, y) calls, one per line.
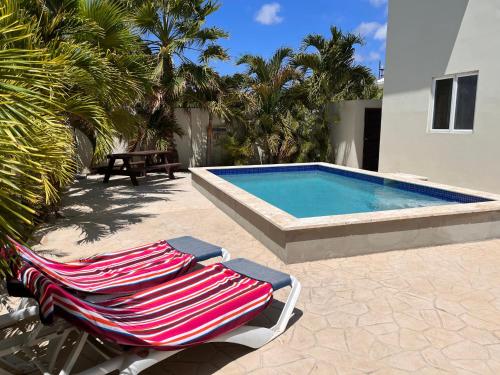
point(183, 312)
point(118, 272)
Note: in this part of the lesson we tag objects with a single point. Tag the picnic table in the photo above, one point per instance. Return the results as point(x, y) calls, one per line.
point(151, 160)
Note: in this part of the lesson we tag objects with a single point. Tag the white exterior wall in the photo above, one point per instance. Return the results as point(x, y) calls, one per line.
point(432, 38)
point(347, 121)
point(84, 151)
point(192, 146)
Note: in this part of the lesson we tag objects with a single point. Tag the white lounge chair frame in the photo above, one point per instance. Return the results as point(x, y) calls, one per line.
point(55, 335)
point(126, 363)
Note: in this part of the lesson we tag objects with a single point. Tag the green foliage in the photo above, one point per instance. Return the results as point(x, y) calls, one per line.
point(173, 28)
point(283, 101)
point(35, 143)
point(121, 67)
point(269, 106)
point(64, 64)
point(334, 75)
point(107, 69)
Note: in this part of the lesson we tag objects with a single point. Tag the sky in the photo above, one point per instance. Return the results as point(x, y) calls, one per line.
point(260, 26)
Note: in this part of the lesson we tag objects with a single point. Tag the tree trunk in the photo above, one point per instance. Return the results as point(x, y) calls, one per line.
point(268, 153)
point(192, 161)
point(169, 102)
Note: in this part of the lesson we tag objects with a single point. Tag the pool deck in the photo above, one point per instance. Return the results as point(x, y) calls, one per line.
point(352, 234)
point(432, 310)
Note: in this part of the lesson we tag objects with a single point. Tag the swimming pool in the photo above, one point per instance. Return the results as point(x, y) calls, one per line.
point(313, 211)
point(319, 191)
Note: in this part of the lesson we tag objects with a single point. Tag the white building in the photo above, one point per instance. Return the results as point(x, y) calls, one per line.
point(441, 107)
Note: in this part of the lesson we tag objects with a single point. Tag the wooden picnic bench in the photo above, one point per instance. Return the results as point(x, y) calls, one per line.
point(151, 160)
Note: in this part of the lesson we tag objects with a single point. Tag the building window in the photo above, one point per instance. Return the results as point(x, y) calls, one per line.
point(454, 103)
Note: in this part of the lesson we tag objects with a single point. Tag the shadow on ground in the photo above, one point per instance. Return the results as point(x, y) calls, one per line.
point(208, 359)
point(99, 210)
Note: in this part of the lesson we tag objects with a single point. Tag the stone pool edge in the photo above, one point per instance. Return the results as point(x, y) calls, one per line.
point(296, 240)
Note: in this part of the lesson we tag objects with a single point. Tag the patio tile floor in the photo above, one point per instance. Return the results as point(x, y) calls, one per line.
point(427, 311)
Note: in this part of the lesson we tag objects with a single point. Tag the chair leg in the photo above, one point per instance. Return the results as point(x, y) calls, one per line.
point(75, 353)
point(55, 348)
point(287, 312)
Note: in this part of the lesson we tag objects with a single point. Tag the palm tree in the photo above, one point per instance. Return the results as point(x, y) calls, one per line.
point(35, 144)
point(334, 75)
point(287, 97)
point(269, 86)
point(107, 69)
point(331, 75)
point(63, 64)
point(173, 31)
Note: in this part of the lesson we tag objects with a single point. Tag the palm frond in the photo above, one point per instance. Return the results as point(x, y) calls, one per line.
point(36, 145)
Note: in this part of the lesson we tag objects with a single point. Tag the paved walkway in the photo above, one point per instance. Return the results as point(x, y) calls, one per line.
point(426, 311)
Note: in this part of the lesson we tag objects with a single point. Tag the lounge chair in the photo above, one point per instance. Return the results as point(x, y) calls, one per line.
point(124, 271)
point(212, 304)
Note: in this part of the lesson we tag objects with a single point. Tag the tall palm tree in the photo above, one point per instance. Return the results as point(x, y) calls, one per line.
point(334, 74)
point(174, 30)
point(331, 74)
point(269, 85)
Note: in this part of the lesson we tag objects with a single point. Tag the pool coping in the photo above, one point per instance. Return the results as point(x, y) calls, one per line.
point(286, 222)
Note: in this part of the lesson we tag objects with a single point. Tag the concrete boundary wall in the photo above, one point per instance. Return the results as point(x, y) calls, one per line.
point(347, 125)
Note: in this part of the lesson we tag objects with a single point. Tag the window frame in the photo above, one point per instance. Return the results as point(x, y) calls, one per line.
point(453, 107)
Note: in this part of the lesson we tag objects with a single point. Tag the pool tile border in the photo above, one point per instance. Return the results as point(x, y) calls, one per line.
point(353, 234)
point(447, 195)
point(286, 221)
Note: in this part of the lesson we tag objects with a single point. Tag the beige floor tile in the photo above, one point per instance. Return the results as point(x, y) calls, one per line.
point(426, 311)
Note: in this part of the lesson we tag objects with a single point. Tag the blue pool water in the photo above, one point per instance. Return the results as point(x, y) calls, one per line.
point(322, 191)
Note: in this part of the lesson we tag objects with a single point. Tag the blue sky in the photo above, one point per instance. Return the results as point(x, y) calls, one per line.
point(260, 27)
